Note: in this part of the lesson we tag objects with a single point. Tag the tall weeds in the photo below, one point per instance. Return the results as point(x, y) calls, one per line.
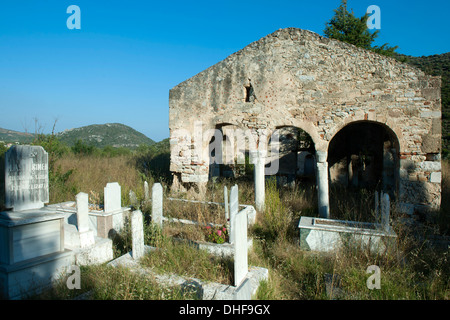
point(92, 173)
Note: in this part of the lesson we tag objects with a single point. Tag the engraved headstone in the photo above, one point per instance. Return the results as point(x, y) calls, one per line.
point(26, 178)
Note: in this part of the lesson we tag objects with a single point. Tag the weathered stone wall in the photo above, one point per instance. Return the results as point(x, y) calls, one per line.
point(297, 78)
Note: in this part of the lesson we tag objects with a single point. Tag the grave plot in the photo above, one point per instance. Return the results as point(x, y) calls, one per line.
point(208, 224)
point(239, 281)
point(32, 251)
point(105, 219)
point(320, 234)
point(196, 221)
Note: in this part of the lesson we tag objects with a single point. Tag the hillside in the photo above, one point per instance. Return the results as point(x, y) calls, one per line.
point(15, 136)
point(101, 135)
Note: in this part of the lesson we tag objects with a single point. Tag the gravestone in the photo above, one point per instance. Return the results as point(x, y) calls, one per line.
point(234, 209)
point(32, 251)
point(113, 197)
point(385, 208)
point(225, 200)
point(377, 204)
point(240, 239)
point(157, 204)
point(133, 199)
point(82, 212)
point(137, 234)
point(146, 194)
point(86, 236)
point(259, 179)
point(113, 206)
point(26, 177)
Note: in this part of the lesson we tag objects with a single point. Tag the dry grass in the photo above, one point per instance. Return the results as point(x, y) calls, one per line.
point(102, 282)
point(90, 174)
point(188, 261)
point(203, 213)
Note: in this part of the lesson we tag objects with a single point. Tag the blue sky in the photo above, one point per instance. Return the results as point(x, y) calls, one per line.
point(121, 64)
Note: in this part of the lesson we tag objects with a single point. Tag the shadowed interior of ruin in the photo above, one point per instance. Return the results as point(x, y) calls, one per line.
point(362, 159)
point(364, 155)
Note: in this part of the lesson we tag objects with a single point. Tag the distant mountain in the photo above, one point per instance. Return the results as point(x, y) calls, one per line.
point(8, 136)
point(109, 134)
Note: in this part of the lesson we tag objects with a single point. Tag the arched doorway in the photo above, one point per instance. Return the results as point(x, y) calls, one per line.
point(229, 151)
point(363, 155)
point(295, 155)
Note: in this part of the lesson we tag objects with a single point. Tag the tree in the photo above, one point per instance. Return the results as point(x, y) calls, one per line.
point(344, 26)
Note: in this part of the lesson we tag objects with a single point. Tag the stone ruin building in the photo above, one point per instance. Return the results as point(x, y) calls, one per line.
point(369, 120)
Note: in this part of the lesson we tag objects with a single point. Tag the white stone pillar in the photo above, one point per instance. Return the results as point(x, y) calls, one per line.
point(259, 179)
point(157, 204)
point(322, 184)
point(225, 201)
point(86, 235)
point(240, 247)
point(234, 209)
point(137, 235)
point(146, 194)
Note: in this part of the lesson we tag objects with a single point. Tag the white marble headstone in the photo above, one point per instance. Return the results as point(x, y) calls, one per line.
point(26, 178)
point(157, 204)
point(137, 234)
point(113, 197)
point(86, 235)
point(234, 209)
point(146, 194)
point(240, 242)
point(225, 200)
point(82, 212)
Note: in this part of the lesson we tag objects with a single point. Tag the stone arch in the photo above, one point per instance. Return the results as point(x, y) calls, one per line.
point(233, 148)
point(388, 123)
point(308, 127)
point(365, 154)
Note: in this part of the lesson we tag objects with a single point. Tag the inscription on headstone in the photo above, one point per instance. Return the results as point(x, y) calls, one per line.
point(26, 177)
